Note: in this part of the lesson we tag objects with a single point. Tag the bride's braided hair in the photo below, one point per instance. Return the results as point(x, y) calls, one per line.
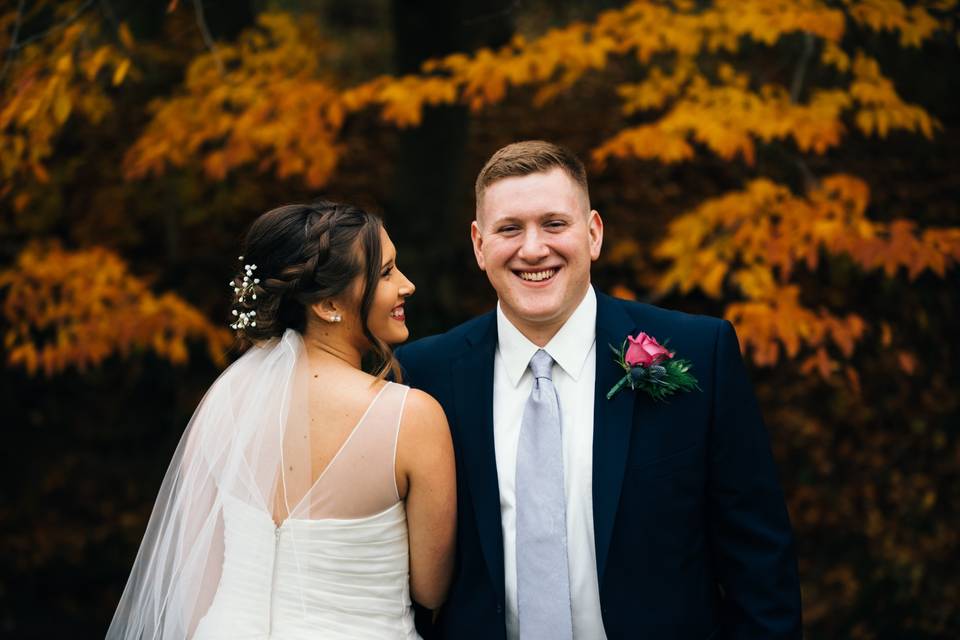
point(306, 253)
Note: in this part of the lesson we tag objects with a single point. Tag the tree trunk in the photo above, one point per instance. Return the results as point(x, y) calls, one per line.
point(430, 198)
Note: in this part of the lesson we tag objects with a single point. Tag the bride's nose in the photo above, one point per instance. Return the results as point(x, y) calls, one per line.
point(407, 289)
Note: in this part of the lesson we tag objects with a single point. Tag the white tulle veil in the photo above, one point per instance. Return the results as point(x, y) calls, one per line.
point(247, 440)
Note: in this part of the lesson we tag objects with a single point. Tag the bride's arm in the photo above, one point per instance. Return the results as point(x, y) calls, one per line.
point(427, 478)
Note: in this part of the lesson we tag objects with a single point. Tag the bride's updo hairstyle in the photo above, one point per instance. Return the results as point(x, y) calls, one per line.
point(305, 253)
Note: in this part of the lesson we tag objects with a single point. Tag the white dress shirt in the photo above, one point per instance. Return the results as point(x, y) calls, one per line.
point(573, 350)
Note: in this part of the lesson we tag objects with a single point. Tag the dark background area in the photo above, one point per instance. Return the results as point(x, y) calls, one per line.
point(871, 477)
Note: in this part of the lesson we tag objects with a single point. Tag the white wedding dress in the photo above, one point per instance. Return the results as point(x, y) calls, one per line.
point(312, 579)
point(215, 565)
point(323, 577)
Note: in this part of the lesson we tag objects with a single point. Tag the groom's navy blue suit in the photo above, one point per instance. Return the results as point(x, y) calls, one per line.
point(692, 536)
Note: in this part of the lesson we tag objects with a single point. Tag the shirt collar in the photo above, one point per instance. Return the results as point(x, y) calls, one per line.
point(569, 348)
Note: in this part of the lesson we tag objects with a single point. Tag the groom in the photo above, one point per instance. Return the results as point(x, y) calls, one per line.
point(583, 517)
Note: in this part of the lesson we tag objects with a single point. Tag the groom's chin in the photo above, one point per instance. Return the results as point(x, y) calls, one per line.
point(536, 304)
point(534, 313)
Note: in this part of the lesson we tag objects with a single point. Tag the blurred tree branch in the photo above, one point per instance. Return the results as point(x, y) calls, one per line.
point(205, 34)
point(11, 49)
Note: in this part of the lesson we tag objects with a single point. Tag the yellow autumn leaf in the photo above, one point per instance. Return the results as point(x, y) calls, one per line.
point(126, 37)
point(55, 305)
point(121, 71)
point(61, 107)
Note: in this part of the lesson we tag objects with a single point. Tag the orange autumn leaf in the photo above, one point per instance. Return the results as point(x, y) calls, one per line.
point(273, 108)
point(907, 362)
point(73, 309)
point(721, 107)
point(760, 236)
point(51, 81)
point(269, 101)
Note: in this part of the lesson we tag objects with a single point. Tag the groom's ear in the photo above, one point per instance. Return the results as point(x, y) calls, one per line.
point(595, 230)
point(477, 239)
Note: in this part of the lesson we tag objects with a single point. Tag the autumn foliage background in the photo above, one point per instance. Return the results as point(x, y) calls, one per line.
point(788, 164)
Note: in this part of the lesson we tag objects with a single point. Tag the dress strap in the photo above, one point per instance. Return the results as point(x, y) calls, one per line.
point(360, 480)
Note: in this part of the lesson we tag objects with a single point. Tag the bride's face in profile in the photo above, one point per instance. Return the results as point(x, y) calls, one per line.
point(386, 319)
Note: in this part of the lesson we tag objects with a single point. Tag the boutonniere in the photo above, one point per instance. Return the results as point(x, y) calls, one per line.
point(651, 367)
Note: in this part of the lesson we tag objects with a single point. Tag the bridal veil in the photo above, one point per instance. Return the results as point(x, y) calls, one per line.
point(248, 440)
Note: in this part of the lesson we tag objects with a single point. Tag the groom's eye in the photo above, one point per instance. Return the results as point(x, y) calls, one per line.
point(556, 224)
point(510, 228)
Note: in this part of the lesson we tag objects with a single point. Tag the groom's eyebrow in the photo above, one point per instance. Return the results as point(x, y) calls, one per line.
point(553, 215)
point(539, 217)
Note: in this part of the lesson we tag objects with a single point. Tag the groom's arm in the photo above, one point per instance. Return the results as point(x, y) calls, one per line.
point(749, 527)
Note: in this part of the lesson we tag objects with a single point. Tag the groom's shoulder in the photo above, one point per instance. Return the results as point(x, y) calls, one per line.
point(647, 315)
point(646, 311)
point(447, 344)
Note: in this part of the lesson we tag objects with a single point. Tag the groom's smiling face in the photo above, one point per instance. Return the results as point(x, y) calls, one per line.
point(535, 237)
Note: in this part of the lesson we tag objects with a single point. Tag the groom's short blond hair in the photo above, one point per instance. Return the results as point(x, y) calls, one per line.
point(527, 157)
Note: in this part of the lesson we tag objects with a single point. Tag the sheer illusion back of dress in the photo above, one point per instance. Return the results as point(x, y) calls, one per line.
point(337, 565)
point(248, 540)
point(360, 479)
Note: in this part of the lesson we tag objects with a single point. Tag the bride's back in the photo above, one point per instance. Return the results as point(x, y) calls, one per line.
point(334, 556)
point(354, 427)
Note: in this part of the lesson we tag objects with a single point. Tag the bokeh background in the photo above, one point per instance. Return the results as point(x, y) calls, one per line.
point(788, 164)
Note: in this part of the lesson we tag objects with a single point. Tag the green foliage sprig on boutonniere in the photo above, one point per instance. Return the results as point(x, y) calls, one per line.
point(651, 367)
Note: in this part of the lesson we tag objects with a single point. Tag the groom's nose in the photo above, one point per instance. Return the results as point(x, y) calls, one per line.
point(533, 248)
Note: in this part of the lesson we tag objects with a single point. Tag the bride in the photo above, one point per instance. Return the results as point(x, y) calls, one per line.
point(307, 498)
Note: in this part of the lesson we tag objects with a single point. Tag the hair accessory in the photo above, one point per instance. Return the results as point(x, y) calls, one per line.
point(245, 288)
point(244, 319)
point(242, 291)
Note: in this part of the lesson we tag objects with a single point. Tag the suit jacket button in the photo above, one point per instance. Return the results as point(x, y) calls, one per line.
point(499, 608)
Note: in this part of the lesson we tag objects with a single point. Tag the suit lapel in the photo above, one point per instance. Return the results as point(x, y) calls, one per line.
point(473, 393)
point(612, 424)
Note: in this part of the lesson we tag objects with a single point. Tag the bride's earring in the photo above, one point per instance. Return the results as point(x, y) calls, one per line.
point(326, 310)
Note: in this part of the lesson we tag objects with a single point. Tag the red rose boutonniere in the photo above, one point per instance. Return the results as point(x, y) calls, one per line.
point(651, 367)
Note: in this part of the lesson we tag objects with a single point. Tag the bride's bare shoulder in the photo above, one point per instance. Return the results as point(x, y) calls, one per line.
point(422, 414)
point(343, 391)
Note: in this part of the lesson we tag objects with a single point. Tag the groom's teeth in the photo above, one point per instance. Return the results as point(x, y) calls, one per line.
point(538, 275)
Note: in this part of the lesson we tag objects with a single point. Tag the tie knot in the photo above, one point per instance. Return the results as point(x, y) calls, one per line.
point(540, 364)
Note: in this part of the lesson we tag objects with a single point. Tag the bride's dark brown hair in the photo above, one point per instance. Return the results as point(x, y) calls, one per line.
point(306, 253)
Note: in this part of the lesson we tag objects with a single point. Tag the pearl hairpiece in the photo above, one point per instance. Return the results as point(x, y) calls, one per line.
point(241, 291)
point(244, 318)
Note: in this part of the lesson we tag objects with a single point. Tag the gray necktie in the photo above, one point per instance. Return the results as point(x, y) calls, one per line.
point(543, 582)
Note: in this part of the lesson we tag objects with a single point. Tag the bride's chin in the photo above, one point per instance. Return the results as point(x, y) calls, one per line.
point(395, 337)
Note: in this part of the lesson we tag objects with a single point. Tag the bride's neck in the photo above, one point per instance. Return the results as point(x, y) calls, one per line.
point(330, 346)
